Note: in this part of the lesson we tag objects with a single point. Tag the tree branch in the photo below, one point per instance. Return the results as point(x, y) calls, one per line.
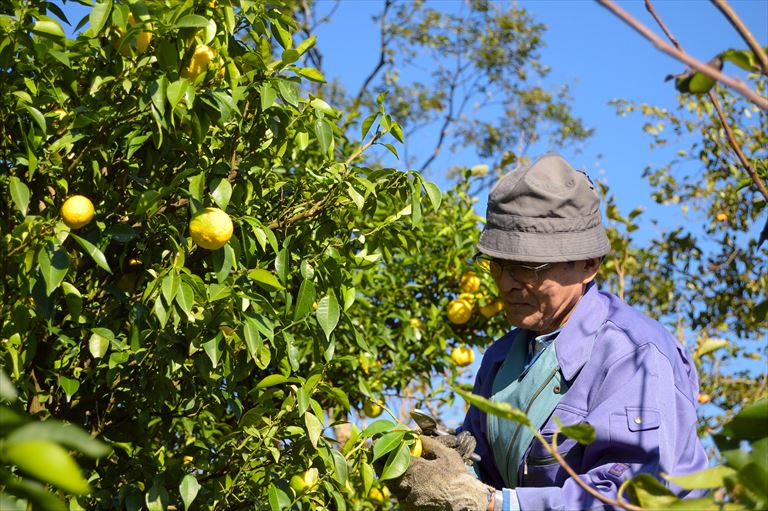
point(382, 57)
point(699, 66)
point(742, 29)
point(716, 103)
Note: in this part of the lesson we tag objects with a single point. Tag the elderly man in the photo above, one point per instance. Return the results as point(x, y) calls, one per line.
point(576, 354)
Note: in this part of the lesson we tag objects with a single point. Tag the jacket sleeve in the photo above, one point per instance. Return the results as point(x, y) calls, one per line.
point(644, 417)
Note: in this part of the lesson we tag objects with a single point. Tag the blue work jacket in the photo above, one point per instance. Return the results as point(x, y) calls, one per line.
point(631, 380)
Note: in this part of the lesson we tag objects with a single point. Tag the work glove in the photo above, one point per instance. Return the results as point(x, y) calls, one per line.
point(439, 481)
point(462, 442)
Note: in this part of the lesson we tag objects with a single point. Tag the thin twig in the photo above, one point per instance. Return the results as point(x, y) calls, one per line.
point(555, 454)
point(699, 66)
point(716, 103)
point(742, 29)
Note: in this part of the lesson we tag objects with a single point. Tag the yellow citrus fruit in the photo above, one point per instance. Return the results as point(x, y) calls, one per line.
point(144, 37)
point(463, 356)
point(469, 282)
point(704, 398)
point(77, 211)
point(417, 448)
point(722, 217)
point(415, 323)
point(467, 297)
point(380, 496)
point(459, 312)
point(199, 64)
point(305, 482)
point(211, 228)
point(60, 113)
point(188, 460)
point(372, 409)
point(492, 308)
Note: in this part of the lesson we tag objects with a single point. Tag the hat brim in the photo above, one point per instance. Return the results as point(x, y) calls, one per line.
point(531, 247)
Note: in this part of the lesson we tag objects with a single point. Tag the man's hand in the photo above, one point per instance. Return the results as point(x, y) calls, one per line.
point(439, 481)
point(463, 443)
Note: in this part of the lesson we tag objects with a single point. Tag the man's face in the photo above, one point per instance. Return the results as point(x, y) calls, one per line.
point(544, 304)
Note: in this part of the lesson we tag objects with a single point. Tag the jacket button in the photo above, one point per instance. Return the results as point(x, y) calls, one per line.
point(556, 389)
point(638, 420)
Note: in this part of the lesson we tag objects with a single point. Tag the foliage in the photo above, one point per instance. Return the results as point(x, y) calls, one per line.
point(38, 450)
point(215, 376)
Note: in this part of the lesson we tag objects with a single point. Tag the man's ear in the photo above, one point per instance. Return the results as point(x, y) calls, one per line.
point(590, 267)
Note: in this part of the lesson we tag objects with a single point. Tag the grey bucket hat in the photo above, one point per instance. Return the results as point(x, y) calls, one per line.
point(545, 213)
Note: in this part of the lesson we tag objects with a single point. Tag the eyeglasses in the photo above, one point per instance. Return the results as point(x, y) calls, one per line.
point(522, 273)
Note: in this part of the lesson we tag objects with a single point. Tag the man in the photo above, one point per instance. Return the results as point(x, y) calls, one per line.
point(576, 354)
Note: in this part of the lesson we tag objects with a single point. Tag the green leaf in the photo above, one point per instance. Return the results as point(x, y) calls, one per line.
point(311, 73)
point(392, 150)
point(268, 95)
point(98, 345)
point(397, 463)
point(387, 443)
point(212, 349)
point(582, 433)
point(146, 201)
point(749, 423)
point(760, 312)
point(278, 499)
point(192, 21)
point(271, 380)
point(63, 434)
point(434, 194)
point(91, 249)
point(377, 427)
point(188, 490)
point(328, 314)
point(48, 462)
point(710, 346)
point(289, 57)
point(98, 17)
point(157, 497)
point(54, 264)
point(19, 194)
point(221, 191)
point(176, 91)
point(502, 409)
point(324, 134)
point(289, 92)
point(742, 58)
point(170, 286)
point(7, 389)
point(713, 477)
point(341, 469)
point(185, 298)
point(266, 278)
point(367, 123)
point(415, 206)
point(646, 491)
point(48, 28)
point(69, 386)
point(38, 117)
point(314, 428)
point(304, 300)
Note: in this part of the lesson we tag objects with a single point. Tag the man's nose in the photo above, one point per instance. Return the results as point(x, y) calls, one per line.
point(507, 283)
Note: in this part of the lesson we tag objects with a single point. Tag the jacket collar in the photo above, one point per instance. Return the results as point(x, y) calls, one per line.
point(577, 337)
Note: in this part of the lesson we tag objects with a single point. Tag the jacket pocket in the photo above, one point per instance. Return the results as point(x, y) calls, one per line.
point(635, 433)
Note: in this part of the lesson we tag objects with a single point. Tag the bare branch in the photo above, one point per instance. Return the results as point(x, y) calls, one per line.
point(699, 66)
point(382, 57)
point(742, 29)
point(716, 103)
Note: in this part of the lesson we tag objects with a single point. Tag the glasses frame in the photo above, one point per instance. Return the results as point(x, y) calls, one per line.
point(504, 267)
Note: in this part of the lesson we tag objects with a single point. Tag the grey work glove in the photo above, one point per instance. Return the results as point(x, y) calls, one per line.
point(462, 442)
point(439, 481)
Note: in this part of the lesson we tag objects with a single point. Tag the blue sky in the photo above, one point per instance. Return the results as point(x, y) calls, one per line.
point(598, 55)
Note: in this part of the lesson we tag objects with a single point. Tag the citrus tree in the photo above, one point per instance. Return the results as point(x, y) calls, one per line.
point(200, 269)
